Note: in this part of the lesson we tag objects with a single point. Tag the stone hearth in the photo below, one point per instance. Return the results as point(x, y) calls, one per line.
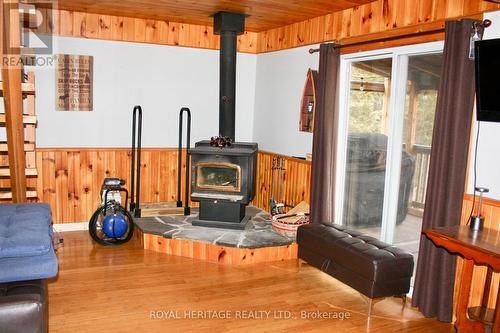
point(258, 232)
point(176, 235)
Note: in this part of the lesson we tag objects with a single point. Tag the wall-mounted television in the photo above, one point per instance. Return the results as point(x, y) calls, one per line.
point(487, 54)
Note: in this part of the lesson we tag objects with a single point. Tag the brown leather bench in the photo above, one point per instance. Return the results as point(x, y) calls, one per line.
point(372, 267)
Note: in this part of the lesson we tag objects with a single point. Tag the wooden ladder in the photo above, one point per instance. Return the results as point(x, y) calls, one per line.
point(29, 123)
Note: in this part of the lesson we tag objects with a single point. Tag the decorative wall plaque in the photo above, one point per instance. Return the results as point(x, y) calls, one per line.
point(74, 83)
point(308, 104)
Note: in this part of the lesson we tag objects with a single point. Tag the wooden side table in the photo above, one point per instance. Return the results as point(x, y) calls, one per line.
point(477, 248)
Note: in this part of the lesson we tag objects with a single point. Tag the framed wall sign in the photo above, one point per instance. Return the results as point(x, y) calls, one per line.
point(74, 82)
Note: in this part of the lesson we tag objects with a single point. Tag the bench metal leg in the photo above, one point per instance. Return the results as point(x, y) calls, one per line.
point(300, 262)
point(403, 298)
point(369, 311)
point(370, 302)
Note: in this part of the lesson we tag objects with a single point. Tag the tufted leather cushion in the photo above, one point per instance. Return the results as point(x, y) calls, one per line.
point(23, 306)
point(367, 264)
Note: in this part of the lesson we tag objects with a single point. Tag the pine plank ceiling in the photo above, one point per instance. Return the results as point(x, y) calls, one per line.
point(262, 14)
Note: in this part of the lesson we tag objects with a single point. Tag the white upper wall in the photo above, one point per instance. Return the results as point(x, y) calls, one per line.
point(488, 153)
point(161, 79)
point(281, 76)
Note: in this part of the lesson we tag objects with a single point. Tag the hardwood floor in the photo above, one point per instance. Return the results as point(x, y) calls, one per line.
point(128, 289)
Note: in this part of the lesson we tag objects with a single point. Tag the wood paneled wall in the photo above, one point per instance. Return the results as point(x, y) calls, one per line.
point(381, 17)
point(128, 29)
point(70, 179)
point(295, 180)
point(491, 213)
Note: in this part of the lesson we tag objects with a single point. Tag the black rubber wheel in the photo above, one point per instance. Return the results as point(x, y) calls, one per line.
point(95, 227)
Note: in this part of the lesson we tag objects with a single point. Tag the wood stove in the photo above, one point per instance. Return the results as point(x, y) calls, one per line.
point(223, 171)
point(218, 176)
point(223, 181)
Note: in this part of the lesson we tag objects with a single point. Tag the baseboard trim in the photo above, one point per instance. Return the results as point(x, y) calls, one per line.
point(63, 227)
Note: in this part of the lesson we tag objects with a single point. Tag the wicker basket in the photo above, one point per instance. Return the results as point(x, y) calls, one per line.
point(286, 225)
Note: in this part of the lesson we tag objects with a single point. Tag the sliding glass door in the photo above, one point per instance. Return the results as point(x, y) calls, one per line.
point(367, 133)
point(387, 106)
point(423, 73)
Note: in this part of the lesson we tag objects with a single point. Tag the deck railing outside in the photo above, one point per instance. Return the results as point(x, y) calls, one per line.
point(422, 156)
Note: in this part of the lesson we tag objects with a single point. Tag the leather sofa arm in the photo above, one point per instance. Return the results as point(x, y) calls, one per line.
point(23, 308)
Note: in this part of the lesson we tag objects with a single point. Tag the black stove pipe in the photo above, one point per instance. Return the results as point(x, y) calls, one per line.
point(228, 26)
point(227, 82)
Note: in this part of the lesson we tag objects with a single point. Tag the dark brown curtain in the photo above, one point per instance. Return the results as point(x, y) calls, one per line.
point(435, 277)
point(325, 136)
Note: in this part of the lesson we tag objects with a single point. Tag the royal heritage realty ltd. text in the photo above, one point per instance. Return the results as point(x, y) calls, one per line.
point(247, 314)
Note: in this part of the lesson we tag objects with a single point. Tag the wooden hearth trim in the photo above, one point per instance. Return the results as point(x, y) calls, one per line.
point(217, 254)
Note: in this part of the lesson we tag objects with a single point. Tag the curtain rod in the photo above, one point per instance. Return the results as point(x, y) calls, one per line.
point(483, 24)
